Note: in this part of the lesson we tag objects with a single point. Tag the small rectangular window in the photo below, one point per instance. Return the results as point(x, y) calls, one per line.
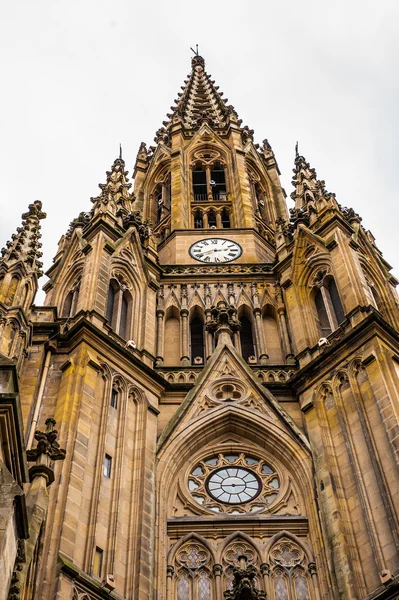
point(114, 398)
point(107, 465)
point(97, 562)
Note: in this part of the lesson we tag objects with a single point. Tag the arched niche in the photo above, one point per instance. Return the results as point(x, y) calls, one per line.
point(272, 335)
point(172, 337)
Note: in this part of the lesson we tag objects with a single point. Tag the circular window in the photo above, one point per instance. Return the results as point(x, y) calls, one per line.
point(233, 485)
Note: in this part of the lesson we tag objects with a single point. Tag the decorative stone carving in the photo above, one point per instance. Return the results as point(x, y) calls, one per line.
point(244, 585)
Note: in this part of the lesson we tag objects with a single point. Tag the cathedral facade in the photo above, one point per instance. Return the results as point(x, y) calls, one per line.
point(207, 404)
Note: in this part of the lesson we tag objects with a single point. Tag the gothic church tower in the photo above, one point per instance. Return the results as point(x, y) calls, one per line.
point(224, 375)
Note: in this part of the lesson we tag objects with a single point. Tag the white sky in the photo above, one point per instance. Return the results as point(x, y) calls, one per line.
point(80, 77)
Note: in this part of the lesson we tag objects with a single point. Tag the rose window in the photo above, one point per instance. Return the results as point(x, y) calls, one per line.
point(234, 483)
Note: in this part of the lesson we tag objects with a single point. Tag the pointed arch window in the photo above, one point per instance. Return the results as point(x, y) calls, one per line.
point(119, 308)
point(246, 339)
point(328, 304)
point(193, 569)
point(197, 339)
point(71, 302)
point(290, 579)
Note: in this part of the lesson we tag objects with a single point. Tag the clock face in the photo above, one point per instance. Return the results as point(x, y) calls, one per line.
point(215, 250)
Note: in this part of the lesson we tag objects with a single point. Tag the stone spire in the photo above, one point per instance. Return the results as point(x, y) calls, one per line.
point(24, 246)
point(115, 193)
point(199, 101)
point(308, 189)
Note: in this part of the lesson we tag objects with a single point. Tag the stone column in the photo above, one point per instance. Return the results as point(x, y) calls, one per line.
point(289, 355)
point(160, 337)
point(265, 570)
point(208, 335)
point(205, 220)
point(169, 582)
point(185, 358)
point(313, 574)
point(219, 220)
point(218, 571)
point(262, 351)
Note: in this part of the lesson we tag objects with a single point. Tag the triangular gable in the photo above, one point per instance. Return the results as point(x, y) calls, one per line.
point(307, 244)
point(226, 363)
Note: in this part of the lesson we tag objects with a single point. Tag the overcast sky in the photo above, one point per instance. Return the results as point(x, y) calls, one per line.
point(78, 78)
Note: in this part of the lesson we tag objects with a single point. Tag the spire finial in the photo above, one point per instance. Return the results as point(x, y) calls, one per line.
point(296, 149)
point(120, 151)
point(196, 50)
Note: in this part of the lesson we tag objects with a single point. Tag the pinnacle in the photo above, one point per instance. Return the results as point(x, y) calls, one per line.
point(307, 187)
point(115, 192)
point(24, 245)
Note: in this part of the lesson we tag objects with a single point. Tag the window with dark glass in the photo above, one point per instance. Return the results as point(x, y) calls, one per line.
point(200, 190)
point(329, 308)
point(197, 339)
point(246, 338)
point(198, 220)
point(119, 308)
point(114, 398)
point(225, 218)
point(107, 465)
point(211, 219)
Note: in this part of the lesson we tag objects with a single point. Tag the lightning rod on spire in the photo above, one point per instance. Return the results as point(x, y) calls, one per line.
point(195, 51)
point(296, 149)
point(120, 151)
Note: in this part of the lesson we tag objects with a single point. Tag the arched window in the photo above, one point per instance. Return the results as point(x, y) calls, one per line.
point(172, 338)
point(376, 299)
point(71, 302)
point(237, 552)
point(198, 219)
point(218, 182)
point(246, 339)
point(328, 305)
point(119, 308)
point(159, 202)
point(200, 188)
point(112, 291)
point(211, 219)
point(66, 310)
point(114, 396)
point(197, 340)
point(288, 573)
point(193, 569)
point(225, 218)
point(272, 335)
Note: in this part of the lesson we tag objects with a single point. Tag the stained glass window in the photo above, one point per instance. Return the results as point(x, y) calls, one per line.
point(301, 587)
point(204, 587)
point(183, 588)
point(280, 587)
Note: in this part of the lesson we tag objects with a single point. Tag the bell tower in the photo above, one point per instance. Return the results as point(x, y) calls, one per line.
point(224, 376)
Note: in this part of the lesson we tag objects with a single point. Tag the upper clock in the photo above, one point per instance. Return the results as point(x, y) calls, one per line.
point(215, 250)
